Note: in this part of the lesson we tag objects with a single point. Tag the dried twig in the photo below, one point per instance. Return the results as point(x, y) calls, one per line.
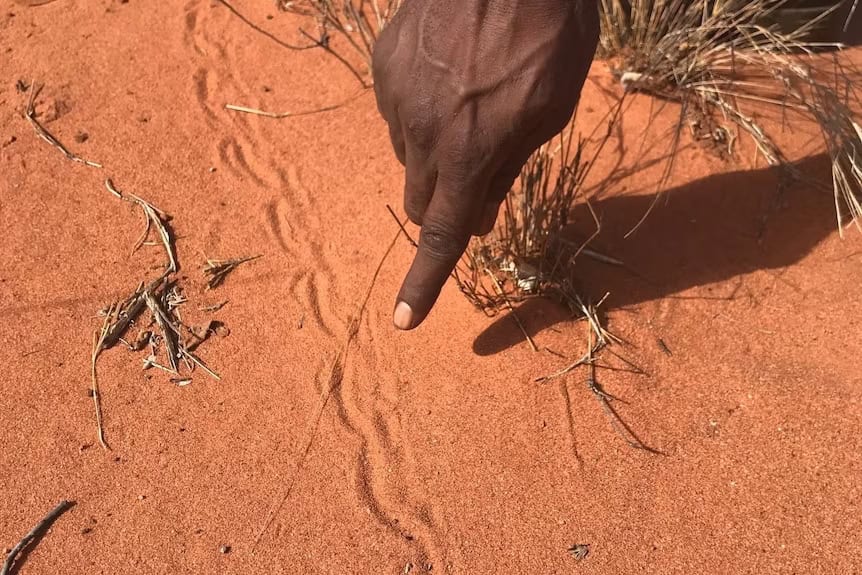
point(198, 362)
point(170, 333)
point(281, 115)
point(30, 114)
point(99, 339)
point(39, 529)
point(155, 217)
point(217, 270)
point(214, 308)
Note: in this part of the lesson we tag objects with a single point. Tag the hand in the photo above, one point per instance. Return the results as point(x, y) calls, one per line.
point(470, 89)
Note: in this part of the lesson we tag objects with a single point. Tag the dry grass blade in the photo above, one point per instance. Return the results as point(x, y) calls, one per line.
point(527, 254)
point(170, 334)
point(282, 115)
point(726, 61)
point(154, 217)
point(43, 133)
point(198, 362)
point(217, 270)
point(98, 346)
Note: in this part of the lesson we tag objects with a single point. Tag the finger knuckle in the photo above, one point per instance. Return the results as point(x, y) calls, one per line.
point(441, 241)
point(420, 123)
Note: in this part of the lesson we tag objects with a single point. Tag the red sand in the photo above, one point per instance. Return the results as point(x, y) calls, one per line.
point(438, 448)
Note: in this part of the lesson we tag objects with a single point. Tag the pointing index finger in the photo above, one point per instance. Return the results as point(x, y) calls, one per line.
point(445, 233)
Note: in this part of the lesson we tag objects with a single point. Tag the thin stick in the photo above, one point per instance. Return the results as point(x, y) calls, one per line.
point(30, 114)
point(169, 333)
point(157, 217)
point(98, 345)
point(214, 308)
point(401, 225)
point(499, 289)
point(281, 115)
point(260, 30)
point(335, 378)
point(35, 533)
point(199, 362)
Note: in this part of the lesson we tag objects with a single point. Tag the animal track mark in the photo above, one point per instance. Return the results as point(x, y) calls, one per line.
point(201, 79)
point(303, 286)
point(273, 219)
point(384, 465)
point(232, 155)
point(293, 216)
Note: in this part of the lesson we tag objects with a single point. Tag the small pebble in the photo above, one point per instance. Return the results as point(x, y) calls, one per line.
point(82, 137)
point(141, 497)
point(86, 530)
point(224, 549)
point(211, 170)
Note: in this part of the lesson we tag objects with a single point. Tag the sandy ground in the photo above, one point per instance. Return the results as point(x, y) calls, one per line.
point(437, 451)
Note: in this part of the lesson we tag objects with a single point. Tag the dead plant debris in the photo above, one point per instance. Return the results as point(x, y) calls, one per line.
point(170, 342)
point(579, 551)
point(42, 132)
point(32, 537)
point(726, 63)
point(216, 271)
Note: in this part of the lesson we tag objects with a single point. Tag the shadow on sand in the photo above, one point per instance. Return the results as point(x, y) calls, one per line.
point(710, 230)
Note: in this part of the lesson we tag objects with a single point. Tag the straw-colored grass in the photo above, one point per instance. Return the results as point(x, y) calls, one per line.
point(723, 61)
point(359, 22)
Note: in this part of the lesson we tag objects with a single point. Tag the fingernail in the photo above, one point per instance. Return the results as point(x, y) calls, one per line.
point(403, 316)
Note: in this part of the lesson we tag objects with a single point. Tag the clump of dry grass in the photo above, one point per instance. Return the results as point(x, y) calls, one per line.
point(724, 61)
point(358, 22)
point(525, 255)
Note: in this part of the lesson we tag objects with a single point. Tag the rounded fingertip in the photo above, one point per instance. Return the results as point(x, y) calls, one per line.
point(403, 318)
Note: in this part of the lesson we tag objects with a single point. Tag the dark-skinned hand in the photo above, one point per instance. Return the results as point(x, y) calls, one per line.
point(470, 89)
